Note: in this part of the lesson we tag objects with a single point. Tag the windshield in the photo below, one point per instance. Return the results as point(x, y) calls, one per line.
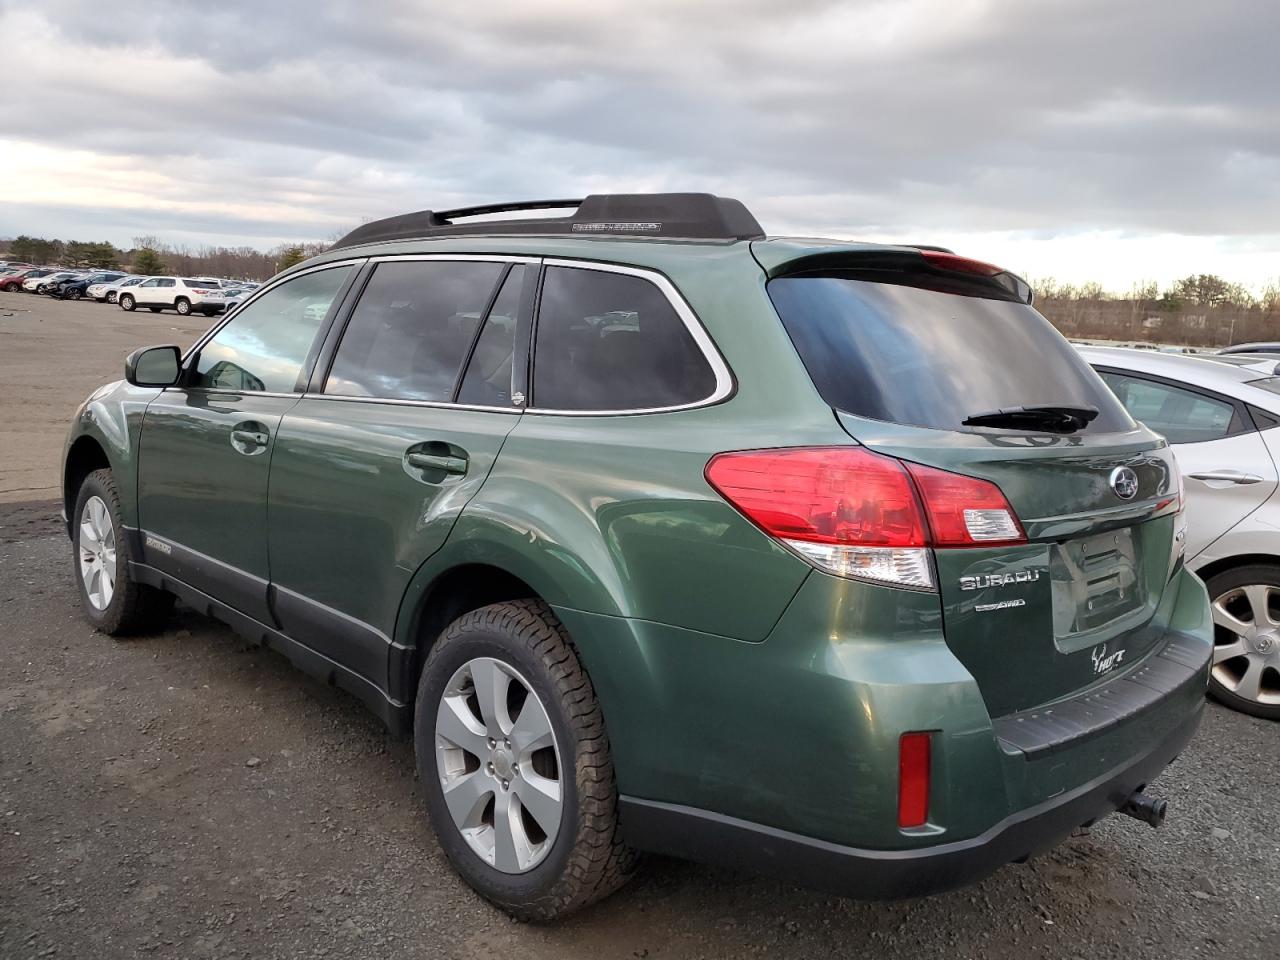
point(899, 353)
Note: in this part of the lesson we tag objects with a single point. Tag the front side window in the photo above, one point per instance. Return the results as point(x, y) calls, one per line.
point(1180, 416)
point(412, 329)
point(264, 347)
point(613, 342)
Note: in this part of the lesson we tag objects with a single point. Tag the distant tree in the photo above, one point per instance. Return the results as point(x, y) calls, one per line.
point(290, 256)
point(147, 261)
point(99, 255)
point(36, 249)
point(1207, 290)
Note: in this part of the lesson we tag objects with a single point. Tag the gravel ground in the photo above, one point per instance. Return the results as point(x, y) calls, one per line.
point(189, 795)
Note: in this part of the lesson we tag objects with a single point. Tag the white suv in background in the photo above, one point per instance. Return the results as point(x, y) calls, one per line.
point(106, 292)
point(183, 294)
point(1221, 416)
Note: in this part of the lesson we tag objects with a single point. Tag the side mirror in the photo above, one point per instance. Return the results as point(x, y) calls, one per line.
point(153, 366)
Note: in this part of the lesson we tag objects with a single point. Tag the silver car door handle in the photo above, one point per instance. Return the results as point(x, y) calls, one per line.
point(1226, 476)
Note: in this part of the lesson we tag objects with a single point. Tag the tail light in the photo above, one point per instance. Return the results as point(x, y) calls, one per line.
point(914, 762)
point(855, 513)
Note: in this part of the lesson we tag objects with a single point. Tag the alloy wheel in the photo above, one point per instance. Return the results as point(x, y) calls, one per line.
point(97, 549)
point(499, 765)
point(1246, 652)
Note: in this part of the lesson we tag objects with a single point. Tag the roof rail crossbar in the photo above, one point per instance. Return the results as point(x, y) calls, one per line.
point(685, 216)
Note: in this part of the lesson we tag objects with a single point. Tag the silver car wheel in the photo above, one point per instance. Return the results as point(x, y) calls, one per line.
point(1246, 653)
point(500, 774)
point(97, 553)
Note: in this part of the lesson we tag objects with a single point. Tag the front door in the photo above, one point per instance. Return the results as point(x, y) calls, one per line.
point(370, 472)
point(207, 444)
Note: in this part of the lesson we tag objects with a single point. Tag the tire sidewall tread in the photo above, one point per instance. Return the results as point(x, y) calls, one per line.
point(1219, 584)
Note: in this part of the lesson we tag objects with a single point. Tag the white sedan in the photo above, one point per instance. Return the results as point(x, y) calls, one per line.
point(1221, 416)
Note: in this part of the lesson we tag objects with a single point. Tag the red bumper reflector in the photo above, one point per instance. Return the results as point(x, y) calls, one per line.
point(913, 779)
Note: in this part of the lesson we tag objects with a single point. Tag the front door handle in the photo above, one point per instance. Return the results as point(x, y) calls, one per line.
point(1226, 476)
point(250, 437)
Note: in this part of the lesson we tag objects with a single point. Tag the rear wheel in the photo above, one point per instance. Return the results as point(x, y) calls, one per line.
point(127, 302)
point(112, 600)
point(183, 306)
point(1246, 635)
point(515, 764)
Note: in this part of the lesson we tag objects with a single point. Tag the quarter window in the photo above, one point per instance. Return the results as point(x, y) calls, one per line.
point(264, 347)
point(613, 342)
point(1180, 416)
point(412, 329)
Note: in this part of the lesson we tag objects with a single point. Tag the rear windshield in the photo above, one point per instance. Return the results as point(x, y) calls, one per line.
point(907, 355)
point(212, 284)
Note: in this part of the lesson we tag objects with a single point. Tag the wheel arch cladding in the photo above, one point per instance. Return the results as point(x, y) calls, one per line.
point(84, 456)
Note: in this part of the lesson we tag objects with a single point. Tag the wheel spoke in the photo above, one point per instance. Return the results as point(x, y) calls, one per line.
point(1227, 620)
point(531, 731)
point(1227, 651)
point(456, 724)
point(1250, 684)
point(1258, 595)
point(512, 851)
point(491, 683)
point(466, 798)
point(89, 535)
point(542, 798)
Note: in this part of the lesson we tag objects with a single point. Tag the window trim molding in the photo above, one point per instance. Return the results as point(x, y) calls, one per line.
point(724, 385)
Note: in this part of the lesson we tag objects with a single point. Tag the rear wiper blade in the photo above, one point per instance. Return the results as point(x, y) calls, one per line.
point(1054, 417)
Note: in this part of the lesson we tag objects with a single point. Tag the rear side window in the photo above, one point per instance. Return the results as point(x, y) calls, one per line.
point(1180, 416)
point(919, 357)
point(613, 342)
point(412, 329)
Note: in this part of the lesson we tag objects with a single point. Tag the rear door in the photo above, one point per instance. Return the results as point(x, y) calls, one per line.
point(375, 463)
point(906, 356)
point(1227, 469)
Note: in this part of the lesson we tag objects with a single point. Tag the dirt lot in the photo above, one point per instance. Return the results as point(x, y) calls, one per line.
point(188, 795)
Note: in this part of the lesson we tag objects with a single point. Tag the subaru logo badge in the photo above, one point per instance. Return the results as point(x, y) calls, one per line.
point(1124, 482)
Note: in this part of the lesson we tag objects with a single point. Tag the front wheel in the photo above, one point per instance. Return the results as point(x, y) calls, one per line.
point(513, 758)
point(75, 294)
point(111, 297)
point(1246, 639)
point(183, 306)
point(127, 302)
point(111, 598)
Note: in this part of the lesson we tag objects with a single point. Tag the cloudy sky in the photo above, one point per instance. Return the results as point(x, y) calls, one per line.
point(1114, 140)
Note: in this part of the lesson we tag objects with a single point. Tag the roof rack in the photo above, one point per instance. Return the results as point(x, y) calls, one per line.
point(689, 216)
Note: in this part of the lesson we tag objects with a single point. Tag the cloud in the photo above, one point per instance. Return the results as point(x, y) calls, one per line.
point(918, 118)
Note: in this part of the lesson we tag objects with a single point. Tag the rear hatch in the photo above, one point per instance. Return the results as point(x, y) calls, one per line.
point(943, 362)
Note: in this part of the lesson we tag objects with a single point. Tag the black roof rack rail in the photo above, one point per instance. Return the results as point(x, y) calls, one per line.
point(686, 216)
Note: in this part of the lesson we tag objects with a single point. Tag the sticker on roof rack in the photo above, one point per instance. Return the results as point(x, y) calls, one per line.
point(617, 227)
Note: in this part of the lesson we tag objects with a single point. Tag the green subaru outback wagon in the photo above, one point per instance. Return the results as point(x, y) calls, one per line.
point(829, 560)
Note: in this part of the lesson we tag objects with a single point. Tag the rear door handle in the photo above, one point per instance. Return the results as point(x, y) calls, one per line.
point(1226, 476)
point(445, 463)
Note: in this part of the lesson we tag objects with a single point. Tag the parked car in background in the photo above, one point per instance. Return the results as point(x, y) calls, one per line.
point(40, 284)
point(8, 266)
point(105, 292)
point(183, 294)
point(232, 294)
point(14, 282)
point(74, 288)
point(1270, 346)
point(1221, 416)
point(833, 560)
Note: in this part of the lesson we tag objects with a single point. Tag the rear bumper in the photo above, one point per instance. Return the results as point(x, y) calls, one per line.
point(893, 874)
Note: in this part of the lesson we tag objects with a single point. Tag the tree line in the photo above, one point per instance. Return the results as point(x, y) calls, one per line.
point(150, 255)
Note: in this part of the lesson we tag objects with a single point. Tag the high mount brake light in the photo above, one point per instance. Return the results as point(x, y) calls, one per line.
point(950, 261)
point(859, 514)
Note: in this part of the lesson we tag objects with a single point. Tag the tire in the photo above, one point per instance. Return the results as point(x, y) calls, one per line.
point(127, 302)
point(183, 306)
point(1246, 628)
point(112, 600)
point(75, 294)
point(519, 645)
point(111, 297)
